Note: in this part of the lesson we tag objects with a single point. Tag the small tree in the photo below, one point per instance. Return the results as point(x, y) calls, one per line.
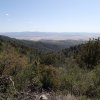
point(89, 54)
point(49, 78)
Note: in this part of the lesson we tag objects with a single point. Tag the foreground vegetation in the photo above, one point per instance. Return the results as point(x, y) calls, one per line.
point(75, 70)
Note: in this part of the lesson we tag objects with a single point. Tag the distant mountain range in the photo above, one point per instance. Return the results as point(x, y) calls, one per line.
point(51, 35)
point(42, 45)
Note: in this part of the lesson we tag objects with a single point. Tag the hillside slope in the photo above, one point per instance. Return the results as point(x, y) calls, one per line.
point(23, 67)
point(44, 45)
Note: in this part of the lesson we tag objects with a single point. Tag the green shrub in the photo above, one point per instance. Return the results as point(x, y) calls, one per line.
point(27, 78)
point(82, 98)
point(50, 78)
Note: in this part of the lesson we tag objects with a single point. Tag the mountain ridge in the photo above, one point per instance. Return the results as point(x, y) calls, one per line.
point(44, 45)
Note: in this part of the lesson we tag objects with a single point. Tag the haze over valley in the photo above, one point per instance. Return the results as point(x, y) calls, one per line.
point(36, 36)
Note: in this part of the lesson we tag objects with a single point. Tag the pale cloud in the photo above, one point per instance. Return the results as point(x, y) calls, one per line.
point(7, 14)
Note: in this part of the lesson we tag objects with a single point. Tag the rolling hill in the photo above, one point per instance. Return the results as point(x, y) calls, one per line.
point(43, 45)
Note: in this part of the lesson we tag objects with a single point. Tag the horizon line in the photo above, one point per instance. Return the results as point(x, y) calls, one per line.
point(47, 32)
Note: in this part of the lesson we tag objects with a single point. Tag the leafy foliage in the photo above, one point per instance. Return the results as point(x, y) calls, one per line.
point(89, 54)
point(75, 69)
point(50, 78)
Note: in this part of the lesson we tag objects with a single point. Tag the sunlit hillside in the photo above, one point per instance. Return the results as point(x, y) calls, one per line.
point(73, 70)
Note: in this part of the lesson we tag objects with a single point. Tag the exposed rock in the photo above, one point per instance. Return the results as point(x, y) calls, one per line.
point(43, 97)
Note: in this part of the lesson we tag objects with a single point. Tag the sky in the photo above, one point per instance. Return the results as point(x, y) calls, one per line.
point(50, 15)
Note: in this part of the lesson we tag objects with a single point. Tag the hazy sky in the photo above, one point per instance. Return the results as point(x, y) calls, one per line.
point(50, 15)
